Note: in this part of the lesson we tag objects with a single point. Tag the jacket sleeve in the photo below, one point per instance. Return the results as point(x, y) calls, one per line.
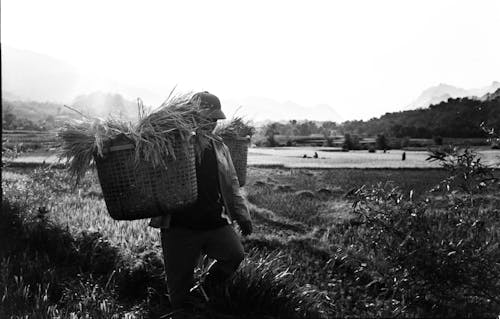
point(240, 211)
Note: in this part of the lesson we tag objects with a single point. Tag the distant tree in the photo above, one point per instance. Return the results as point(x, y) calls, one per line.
point(348, 142)
point(307, 128)
point(329, 126)
point(270, 131)
point(8, 119)
point(328, 139)
point(381, 142)
point(405, 141)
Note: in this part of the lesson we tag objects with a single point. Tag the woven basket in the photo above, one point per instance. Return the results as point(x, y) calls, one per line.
point(238, 148)
point(141, 191)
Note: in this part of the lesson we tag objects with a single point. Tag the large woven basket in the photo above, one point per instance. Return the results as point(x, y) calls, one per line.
point(136, 191)
point(238, 148)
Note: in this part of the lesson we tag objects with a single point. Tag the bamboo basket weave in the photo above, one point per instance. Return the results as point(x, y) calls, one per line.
point(238, 148)
point(135, 191)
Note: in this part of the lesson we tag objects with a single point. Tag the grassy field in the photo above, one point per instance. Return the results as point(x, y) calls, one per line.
point(292, 157)
point(30, 140)
point(302, 260)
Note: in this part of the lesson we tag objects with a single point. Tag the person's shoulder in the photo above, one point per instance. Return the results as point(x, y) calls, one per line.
point(219, 144)
point(217, 139)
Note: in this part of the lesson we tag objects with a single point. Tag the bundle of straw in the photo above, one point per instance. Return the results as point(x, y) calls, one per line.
point(235, 128)
point(153, 135)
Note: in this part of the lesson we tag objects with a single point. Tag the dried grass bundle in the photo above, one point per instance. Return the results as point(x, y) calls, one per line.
point(153, 135)
point(234, 128)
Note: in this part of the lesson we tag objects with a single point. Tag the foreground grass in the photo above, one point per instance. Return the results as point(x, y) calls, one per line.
point(306, 258)
point(118, 263)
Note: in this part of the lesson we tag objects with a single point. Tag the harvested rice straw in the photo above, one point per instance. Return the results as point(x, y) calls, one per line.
point(235, 127)
point(82, 139)
point(153, 135)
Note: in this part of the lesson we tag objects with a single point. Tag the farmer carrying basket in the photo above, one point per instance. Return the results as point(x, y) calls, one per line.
point(205, 226)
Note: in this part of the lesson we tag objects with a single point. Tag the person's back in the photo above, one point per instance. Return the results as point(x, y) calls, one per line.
point(205, 227)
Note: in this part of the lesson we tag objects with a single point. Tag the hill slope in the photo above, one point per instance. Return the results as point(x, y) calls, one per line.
point(443, 92)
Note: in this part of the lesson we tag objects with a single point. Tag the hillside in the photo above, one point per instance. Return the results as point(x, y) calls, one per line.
point(460, 117)
point(442, 92)
point(20, 114)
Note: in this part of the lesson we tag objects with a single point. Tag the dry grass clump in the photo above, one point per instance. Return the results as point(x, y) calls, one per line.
point(153, 135)
point(236, 127)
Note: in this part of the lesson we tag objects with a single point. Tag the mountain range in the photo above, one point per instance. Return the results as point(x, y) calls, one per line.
point(32, 76)
point(442, 92)
point(260, 109)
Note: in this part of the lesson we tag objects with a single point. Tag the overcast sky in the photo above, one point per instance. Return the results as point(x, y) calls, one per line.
point(363, 58)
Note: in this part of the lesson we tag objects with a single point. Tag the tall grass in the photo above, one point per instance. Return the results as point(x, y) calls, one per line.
point(124, 258)
point(309, 257)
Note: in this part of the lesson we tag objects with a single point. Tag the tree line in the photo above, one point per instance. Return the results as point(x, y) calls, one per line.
point(455, 118)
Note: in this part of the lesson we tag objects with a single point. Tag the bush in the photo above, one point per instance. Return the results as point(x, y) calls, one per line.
point(351, 142)
point(438, 256)
point(405, 142)
point(381, 142)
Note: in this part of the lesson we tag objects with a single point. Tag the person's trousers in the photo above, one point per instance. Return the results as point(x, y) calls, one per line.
point(182, 249)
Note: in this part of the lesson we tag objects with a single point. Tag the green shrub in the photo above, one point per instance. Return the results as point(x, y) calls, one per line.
point(441, 252)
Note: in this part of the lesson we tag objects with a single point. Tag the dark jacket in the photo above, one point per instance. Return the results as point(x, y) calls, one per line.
point(235, 207)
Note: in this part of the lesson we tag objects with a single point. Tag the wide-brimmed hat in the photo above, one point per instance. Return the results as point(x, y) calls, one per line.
point(209, 105)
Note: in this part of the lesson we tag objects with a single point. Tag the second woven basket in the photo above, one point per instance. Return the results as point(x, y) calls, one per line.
point(238, 148)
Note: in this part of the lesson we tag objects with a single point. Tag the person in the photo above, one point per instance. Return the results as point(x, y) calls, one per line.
point(403, 156)
point(315, 155)
point(206, 226)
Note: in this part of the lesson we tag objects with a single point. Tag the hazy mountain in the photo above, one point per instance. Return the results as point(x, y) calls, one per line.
point(495, 85)
point(28, 75)
point(32, 76)
point(260, 109)
point(442, 92)
point(491, 96)
point(101, 104)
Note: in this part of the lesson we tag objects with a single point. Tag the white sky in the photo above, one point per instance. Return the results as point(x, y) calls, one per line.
point(364, 58)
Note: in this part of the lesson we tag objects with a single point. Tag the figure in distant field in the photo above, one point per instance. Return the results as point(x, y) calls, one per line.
point(315, 155)
point(403, 157)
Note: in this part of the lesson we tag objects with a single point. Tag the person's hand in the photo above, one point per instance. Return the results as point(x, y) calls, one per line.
point(246, 227)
